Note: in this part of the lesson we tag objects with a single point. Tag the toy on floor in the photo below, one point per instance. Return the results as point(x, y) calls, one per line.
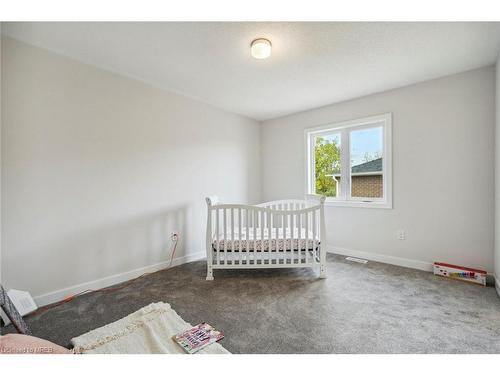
point(460, 273)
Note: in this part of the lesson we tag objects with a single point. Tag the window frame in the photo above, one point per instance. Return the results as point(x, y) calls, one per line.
point(344, 128)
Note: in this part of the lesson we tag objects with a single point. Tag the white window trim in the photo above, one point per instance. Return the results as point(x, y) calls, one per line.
point(385, 121)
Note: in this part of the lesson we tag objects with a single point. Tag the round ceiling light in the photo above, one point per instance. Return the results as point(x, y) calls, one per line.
point(261, 48)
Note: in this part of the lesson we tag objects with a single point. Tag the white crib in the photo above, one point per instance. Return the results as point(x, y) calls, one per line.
point(278, 234)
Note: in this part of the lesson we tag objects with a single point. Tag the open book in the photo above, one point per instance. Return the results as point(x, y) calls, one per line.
point(197, 337)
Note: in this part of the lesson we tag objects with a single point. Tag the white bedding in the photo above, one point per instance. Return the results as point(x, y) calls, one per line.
point(261, 243)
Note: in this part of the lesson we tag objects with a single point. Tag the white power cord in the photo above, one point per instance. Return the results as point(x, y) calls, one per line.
point(175, 239)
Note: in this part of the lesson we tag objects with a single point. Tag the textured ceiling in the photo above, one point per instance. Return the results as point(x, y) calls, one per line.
point(312, 64)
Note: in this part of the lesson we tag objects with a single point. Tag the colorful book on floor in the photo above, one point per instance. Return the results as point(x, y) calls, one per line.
point(197, 337)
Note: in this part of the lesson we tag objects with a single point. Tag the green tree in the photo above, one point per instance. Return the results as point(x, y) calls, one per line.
point(327, 160)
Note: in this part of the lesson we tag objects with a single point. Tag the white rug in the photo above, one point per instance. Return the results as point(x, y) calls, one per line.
point(146, 331)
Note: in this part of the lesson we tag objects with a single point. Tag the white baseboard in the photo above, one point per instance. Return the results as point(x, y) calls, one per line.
point(403, 262)
point(59, 295)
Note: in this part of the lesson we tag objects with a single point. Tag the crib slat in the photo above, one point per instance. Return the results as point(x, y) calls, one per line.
point(274, 227)
point(255, 228)
point(289, 206)
point(264, 219)
point(314, 234)
point(270, 236)
point(299, 246)
point(225, 236)
point(232, 237)
point(239, 237)
point(292, 237)
point(306, 246)
point(247, 261)
point(278, 226)
point(217, 245)
point(280, 252)
point(283, 236)
point(303, 219)
point(261, 223)
point(255, 219)
point(311, 235)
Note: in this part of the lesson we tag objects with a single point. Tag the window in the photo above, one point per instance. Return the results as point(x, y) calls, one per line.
point(351, 162)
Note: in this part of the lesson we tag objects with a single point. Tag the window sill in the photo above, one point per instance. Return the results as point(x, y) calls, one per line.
point(359, 204)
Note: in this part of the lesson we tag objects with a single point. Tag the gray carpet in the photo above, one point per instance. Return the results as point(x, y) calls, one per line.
point(372, 308)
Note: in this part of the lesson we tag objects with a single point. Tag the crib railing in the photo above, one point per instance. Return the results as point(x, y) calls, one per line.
point(285, 233)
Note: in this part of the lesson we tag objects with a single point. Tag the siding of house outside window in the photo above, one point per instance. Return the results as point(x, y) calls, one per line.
point(366, 180)
point(367, 186)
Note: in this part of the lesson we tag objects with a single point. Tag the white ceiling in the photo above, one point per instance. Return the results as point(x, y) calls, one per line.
point(312, 64)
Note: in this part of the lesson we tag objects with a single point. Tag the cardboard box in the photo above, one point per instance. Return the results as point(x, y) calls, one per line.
point(460, 273)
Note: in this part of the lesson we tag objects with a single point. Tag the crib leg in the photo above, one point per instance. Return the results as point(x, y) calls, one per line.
point(210, 273)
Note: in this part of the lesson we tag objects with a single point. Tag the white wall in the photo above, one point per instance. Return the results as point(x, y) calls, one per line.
point(443, 158)
point(98, 169)
point(497, 178)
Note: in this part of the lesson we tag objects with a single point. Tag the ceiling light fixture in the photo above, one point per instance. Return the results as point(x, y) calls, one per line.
point(261, 48)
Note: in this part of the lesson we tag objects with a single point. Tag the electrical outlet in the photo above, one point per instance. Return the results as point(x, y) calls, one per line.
point(174, 236)
point(401, 235)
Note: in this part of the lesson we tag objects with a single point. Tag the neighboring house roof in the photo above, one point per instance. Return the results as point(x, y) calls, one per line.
point(373, 167)
point(369, 166)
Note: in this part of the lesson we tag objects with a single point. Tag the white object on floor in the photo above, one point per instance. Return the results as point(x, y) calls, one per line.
point(23, 302)
point(277, 234)
point(357, 260)
point(146, 331)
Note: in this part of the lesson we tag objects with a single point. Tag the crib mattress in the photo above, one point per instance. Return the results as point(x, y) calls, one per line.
point(277, 242)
